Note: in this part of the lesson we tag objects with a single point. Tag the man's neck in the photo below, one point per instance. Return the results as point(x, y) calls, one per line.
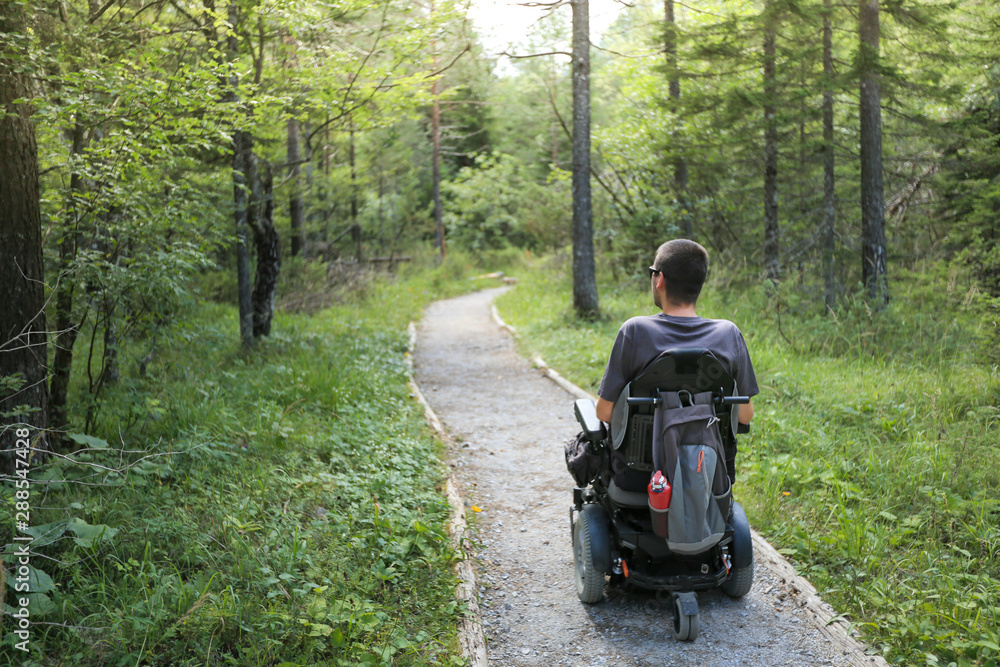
point(674, 310)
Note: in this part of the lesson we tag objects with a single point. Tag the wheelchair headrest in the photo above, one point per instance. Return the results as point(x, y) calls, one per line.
point(694, 369)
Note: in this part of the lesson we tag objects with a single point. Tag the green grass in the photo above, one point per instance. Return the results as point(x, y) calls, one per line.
point(873, 462)
point(280, 507)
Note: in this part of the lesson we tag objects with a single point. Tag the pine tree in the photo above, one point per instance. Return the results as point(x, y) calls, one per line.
point(584, 272)
point(873, 249)
point(829, 174)
point(674, 92)
point(772, 263)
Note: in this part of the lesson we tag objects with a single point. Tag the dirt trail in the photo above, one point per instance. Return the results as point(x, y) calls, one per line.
point(510, 424)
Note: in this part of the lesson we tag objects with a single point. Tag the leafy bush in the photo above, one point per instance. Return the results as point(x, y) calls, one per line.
point(497, 204)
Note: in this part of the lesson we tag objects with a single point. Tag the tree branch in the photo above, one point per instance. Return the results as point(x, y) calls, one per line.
point(100, 12)
point(625, 55)
point(593, 171)
point(468, 47)
point(536, 55)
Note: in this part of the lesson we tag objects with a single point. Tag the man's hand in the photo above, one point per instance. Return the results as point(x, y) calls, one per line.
point(605, 409)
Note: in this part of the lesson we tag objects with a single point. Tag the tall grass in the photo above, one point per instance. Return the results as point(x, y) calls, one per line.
point(274, 507)
point(873, 462)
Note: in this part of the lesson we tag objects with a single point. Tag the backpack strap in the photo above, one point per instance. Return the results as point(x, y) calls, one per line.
point(684, 398)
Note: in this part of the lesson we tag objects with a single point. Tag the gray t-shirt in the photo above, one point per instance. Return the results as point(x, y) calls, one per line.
point(642, 339)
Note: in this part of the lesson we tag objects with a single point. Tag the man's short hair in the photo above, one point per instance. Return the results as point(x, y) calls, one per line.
point(684, 265)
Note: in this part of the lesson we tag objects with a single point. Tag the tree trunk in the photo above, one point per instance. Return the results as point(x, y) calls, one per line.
point(103, 305)
point(308, 184)
point(436, 169)
point(355, 227)
point(23, 339)
point(267, 244)
point(584, 273)
point(296, 203)
point(674, 90)
point(874, 272)
point(436, 155)
point(65, 338)
point(67, 327)
point(829, 202)
point(555, 127)
point(771, 233)
point(110, 373)
point(242, 156)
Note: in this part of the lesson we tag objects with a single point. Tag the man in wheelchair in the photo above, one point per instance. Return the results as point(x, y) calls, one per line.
point(675, 392)
point(677, 275)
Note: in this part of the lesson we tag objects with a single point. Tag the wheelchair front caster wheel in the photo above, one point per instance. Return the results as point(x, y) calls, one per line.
point(686, 626)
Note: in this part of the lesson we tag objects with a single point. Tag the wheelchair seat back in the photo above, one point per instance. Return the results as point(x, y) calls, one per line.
point(693, 370)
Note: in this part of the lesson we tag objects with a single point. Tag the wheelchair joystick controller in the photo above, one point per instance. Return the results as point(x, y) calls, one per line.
point(659, 502)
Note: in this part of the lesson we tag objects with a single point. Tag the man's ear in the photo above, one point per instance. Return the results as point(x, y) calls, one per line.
point(660, 289)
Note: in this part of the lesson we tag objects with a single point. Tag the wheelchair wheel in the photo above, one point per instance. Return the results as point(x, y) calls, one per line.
point(589, 579)
point(686, 626)
point(739, 582)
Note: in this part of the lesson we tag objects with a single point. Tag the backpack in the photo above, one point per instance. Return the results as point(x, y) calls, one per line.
point(687, 448)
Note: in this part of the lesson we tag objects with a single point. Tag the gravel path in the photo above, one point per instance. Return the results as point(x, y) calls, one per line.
point(510, 424)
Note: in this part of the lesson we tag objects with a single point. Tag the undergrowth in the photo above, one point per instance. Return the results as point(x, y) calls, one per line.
point(872, 462)
point(280, 506)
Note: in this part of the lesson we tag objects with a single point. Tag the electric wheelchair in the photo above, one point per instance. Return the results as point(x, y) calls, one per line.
point(614, 541)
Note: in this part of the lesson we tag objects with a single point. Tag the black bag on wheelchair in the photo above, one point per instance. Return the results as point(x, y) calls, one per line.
point(583, 460)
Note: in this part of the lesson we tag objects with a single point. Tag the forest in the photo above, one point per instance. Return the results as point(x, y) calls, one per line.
point(217, 218)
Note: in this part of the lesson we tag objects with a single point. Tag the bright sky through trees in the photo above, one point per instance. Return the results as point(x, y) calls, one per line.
point(503, 22)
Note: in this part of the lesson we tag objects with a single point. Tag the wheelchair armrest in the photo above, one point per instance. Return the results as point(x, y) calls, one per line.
point(742, 428)
point(586, 413)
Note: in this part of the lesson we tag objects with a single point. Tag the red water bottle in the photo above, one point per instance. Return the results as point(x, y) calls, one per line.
point(659, 502)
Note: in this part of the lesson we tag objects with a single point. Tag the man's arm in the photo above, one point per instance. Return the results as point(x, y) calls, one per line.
point(616, 373)
point(744, 416)
point(606, 408)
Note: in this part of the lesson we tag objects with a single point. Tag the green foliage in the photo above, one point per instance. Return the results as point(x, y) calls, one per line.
point(970, 185)
point(533, 99)
point(277, 508)
point(872, 461)
point(497, 204)
point(969, 180)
